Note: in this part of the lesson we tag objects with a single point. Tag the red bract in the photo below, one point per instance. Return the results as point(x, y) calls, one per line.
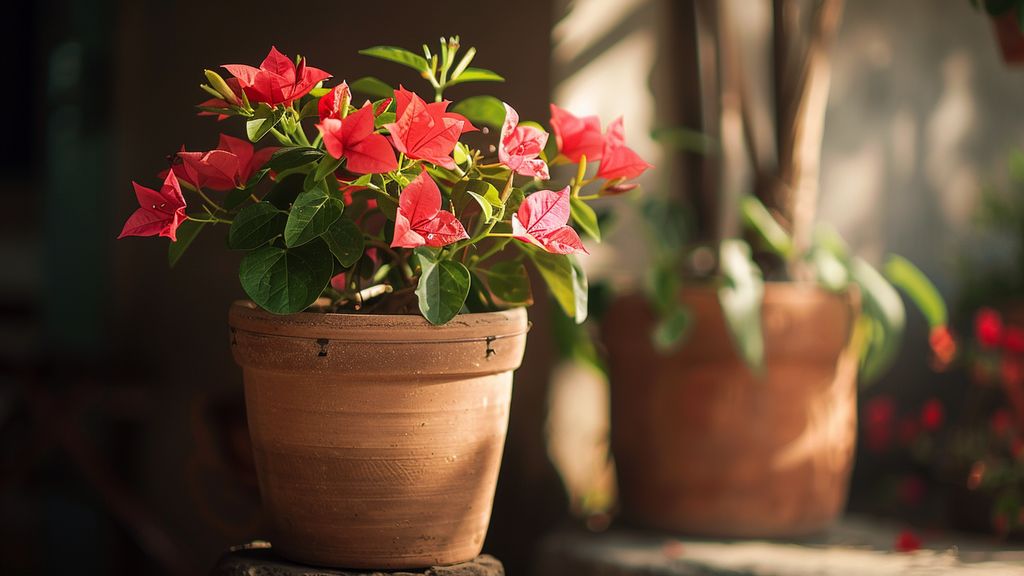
point(520, 147)
point(420, 220)
point(227, 167)
point(906, 541)
point(159, 213)
point(426, 131)
point(1013, 340)
point(353, 138)
point(617, 159)
point(542, 221)
point(988, 327)
point(577, 136)
point(932, 415)
point(277, 80)
point(330, 104)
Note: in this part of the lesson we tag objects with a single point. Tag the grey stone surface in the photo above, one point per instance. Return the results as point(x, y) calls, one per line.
point(258, 559)
point(856, 547)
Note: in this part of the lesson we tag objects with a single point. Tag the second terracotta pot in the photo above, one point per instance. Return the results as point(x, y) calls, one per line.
point(377, 439)
point(703, 446)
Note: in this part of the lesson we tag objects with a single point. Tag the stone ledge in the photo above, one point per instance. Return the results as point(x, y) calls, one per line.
point(258, 559)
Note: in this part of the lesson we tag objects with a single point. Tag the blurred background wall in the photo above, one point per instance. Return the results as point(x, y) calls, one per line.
point(123, 446)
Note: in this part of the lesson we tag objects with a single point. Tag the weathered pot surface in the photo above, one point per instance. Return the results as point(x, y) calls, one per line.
point(377, 438)
point(703, 446)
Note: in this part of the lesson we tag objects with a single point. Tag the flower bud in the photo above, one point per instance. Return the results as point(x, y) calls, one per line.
point(217, 83)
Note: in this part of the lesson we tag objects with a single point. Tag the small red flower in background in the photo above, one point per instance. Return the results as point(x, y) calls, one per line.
point(943, 346)
point(906, 541)
point(159, 213)
point(426, 131)
point(227, 167)
point(617, 159)
point(932, 415)
point(330, 104)
point(879, 414)
point(575, 136)
point(420, 220)
point(543, 219)
point(520, 146)
point(1013, 339)
point(353, 138)
point(988, 327)
point(1001, 423)
point(278, 80)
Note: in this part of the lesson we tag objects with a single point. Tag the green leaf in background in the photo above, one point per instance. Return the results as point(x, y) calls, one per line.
point(399, 56)
point(482, 110)
point(884, 319)
point(686, 140)
point(741, 296)
point(672, 329)
point(286, 281)
point(255, 225)
point(290, 158)
point(345, 240)
point(909, 278)
point(310, 216)
point(471, 74)
point(263, 119)
point(831, 272)
point(761, 221)
point(328, 164)
point(509, 283)
point(187, 232)
point(372, 87)
point(565, 280)
point(442, 288)
point(584, 216)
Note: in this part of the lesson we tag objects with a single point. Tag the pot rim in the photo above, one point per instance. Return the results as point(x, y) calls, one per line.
point(246, 316)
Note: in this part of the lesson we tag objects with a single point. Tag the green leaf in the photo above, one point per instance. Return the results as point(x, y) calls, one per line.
point(345, 240)
point(310, 216)
point(310, 109)
point(384, 118)
point(290, 158)
point(398, 55)
point(471, 74)
point(328, 164)
point(442, 288)
point(672, 329)
point(264, 118)
point(564, 278)
point(187, 232)
point(373, 87)
point(584, 216)
point(884, 314)
point(758, 219)
point(741, 295)
point(482, 110)
point(255, 225)
point(284, 192)
point(235, 198)
point(909, 278)
point(286, 281)
point(256, 177)
point(832, 273)
point(509, 283)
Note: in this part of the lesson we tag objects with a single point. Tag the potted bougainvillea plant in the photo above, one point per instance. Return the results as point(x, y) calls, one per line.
point(386, 248)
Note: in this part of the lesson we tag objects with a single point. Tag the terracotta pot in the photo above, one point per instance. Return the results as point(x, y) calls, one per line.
point(377, 438)
point(1011, 40)
point(702, 446)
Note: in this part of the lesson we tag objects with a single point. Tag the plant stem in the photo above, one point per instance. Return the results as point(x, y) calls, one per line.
point(284, 140)
point(207, 199)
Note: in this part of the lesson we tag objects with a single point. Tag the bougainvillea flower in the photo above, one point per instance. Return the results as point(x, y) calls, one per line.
point(520, 147)
point(988, 327)
point(354, 139)
point(330, 104)
point(426, 131)
point(278, 80)
point(577, 136)
point(220, 102)
point(159, 213)
point(932, 415)
point(906, 541)
point(617, 159)
point(879, 413)
point(543, 219)
point(420, 220)
point(226, 167)
point(1013, 339)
